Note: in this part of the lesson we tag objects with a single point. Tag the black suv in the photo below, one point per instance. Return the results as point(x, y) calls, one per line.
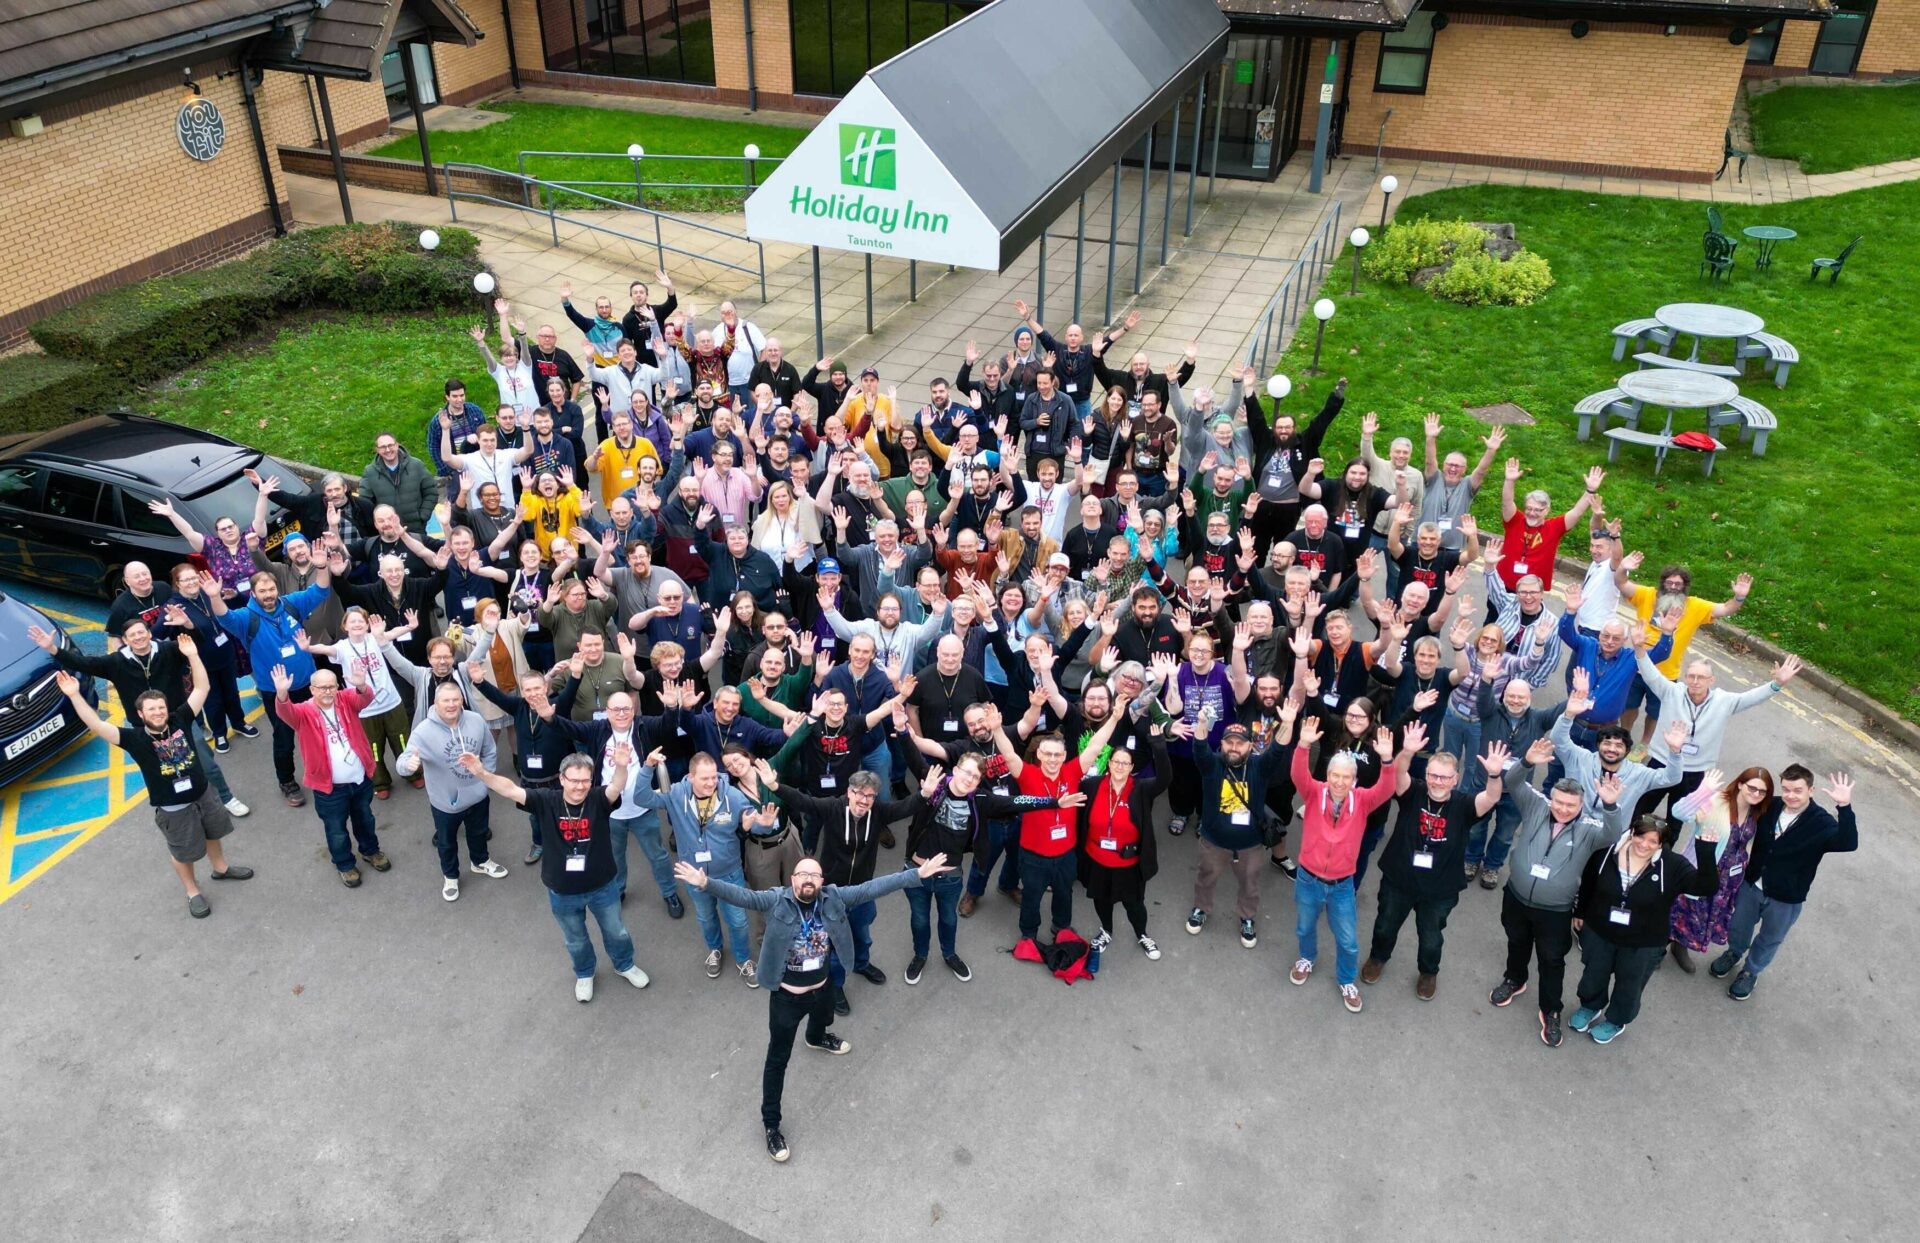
point(73, 502)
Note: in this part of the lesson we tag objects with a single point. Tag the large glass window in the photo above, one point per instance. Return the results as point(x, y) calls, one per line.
point(1406, 56)
point(1764, 42)
point(665, 39)
point(835, 42)
point(1837, 51)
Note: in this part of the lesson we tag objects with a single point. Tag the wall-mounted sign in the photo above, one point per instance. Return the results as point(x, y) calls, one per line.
point(202, 130)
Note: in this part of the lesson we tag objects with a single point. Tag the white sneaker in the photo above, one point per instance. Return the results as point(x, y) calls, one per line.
point(635, 976)
point(583, 989)
point(750, 973)
point(236, 808)
point(1102, 942)
point(490, 868)
point(1152, 950)
point(450, 888)
point(713, 964)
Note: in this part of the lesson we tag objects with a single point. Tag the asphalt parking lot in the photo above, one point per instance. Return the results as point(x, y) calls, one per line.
point(316, 1063)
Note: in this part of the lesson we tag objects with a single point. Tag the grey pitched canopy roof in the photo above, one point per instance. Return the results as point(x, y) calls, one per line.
point(347, 38)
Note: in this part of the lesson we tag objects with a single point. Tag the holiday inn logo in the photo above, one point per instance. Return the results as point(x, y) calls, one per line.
point(866, 157)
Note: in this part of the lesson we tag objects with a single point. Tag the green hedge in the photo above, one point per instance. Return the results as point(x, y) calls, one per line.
point(1479, 279)
point(147, 330)
point(39, 392)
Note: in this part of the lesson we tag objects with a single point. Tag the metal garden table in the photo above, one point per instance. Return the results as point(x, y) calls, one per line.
point(1769, 236)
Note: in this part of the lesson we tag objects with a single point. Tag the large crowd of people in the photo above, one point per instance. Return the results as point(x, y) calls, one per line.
point(806, 643)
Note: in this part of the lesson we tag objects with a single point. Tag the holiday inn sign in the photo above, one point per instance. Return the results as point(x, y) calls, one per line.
point(863, 180)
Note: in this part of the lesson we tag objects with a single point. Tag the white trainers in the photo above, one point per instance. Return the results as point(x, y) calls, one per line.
point(713, 964)
point(750, 973)
point(635, 976)
point(583, 989)
point(490, 868)
point(450, 888)
point(1148, 946)
point(236, 808)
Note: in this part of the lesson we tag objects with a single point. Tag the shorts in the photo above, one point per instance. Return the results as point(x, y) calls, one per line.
point(189, 828)
point(1639, 694)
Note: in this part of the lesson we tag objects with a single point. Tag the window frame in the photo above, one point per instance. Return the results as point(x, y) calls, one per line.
point(1424, 52)
point(1867, 9)
point(1770, 31)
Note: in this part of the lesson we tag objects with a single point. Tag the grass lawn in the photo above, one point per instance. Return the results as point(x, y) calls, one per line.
point(319, 390)
point(1833, 128)
point(566, 127)
point(1836, 563)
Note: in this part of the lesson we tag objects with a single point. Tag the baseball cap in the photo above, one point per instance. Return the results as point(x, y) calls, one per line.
point(1060, 559)
point(869, 371)
point(293, 537)
point(827, 565)
point(1236, 731)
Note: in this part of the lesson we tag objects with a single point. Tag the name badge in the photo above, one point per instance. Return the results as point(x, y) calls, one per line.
point(1445, 524)
point(1133, 742)
point(1736, 869)
point(220, 640)
point(600, 716)
point(536, 762)
point(950, 726)
point(1689, 748)
point(1073, 388)
point(183, 785)
point(1423, 859)
point(679, 731)
point(626, 474)
point(576, 863)
point(1059, 833)
point(1540, 871)
point(1243, 817)
point(703, 856)
point(727, 518)
point(1331, 699)
point(809, 964)
point(467, 603)
point(1620, 915)
point(827, 643)
point(828, 781)
point(1108, 843)
point(1520, 567)
point(288, 649)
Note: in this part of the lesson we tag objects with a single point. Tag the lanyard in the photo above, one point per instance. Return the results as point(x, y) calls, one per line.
point(331, 722)
point(567, 811)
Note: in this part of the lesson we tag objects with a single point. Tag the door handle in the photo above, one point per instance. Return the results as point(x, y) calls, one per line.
point(99, 543)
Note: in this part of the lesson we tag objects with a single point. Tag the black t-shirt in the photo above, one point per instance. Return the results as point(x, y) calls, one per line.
point(1427, 853)
point(127, 606)
point(943, 701)
point(807, 953)
point(167, 763)
point(1415, 568)
point(573, 831)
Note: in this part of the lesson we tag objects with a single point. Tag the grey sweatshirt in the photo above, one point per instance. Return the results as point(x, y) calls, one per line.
point(1536, 849)
point(450, 787)
point(1583, 766)
point(1707, 720)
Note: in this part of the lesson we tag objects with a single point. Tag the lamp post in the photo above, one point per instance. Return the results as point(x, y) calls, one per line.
point(1322, 311)
point(1359, 237)
point(752, 153)
point(483, 284)
point(1388, 184)
point(1278, 387)
point(636, 153)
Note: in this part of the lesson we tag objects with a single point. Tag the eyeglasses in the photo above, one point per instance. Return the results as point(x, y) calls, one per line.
point(808, 875)
point(1755, 787)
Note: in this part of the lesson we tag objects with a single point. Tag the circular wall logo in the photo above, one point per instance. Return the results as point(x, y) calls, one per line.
point(201, 128)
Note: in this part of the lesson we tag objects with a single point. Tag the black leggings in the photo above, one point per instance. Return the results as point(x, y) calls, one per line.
point(1183, 787)
point(1136, 914)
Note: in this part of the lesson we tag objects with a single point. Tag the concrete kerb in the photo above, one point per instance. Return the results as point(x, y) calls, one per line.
point(1877, 714)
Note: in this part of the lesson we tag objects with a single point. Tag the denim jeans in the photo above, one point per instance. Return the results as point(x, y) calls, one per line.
point(446, 829)
point(1038, 873)
point(204, 753)
point(710, 911)
point(644, 829)
point(1376, 540)
point(570, 912)
point(341, 806)
point(1429, 921)
point(1311, 895)
point(1505, 818)
point(860, 923)
point(1752, 908)
point(879, 762)
point(945, 890)
point(1003, 837)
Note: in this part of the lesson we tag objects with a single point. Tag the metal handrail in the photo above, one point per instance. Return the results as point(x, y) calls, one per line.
point(1284, 308)
point(749, 170)
point(553, 218)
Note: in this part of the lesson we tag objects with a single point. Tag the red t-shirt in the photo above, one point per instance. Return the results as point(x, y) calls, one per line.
point(1049, 833)
point(1528, 550)
point(1110, 821)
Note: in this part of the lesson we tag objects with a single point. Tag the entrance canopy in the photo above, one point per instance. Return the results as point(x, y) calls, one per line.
point(962, 148)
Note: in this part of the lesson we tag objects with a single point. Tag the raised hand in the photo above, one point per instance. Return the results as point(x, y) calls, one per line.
point(1383, 744)
point(1596, 475)
point(1070, 800)
point(1540, 752)
point(1610, 788)
point(1414, 737)
point(1496, 759)
point(1839, 788)
point(931, 782)
point(1513, 470)
point(1676, 736)
point(1785, 671)
point(1309, 730)
point(1433, 426)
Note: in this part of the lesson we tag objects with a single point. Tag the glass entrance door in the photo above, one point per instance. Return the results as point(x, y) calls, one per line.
point(1256, 106)
point(1837, 51)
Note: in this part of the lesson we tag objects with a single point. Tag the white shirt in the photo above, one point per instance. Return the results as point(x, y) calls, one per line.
point(748, 341)
point(1053, 509)
point(365, 655)
point(516, 387)
point(627, 810)
point(1600, 597)
point(347, 768)
point(496, 468)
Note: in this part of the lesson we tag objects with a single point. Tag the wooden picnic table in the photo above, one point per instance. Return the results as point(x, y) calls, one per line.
point(1678, 390)
point(1700, 320)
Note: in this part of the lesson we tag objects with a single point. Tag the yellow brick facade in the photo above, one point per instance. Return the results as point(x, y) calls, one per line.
point(1892, 47)
point(1626, 99)
point(772, 49)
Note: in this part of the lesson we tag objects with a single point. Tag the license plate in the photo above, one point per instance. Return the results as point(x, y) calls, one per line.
point(276, 538)
point(38, 734)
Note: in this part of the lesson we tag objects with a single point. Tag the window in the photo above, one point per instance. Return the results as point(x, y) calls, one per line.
point(1837, 51)
point(1764, 43)
point(73, 497)
point(136, 517)
point(1406, 56)
point(19, 485)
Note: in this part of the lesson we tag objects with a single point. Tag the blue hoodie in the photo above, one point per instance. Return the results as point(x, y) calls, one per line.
point(268, 636)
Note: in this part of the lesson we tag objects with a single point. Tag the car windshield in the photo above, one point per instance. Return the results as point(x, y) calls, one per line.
point(233, 499)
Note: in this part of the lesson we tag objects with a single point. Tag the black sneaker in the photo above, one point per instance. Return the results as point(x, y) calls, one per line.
point(776, 1144)
point(1196, 920)
point(1550, 1030)
point(221, 746)
point(1247, 936)
point(914, 969)
point(1287, 867)
point(831, 1044)
point(841, 1006)
point(958, 966)
point(871, 973)
point(1505, 991)
point(675, 907)
point(247, 731)
point(1722, 967)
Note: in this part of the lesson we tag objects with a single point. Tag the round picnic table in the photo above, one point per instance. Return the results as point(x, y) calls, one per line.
point(1701, 320)
point(1672, 390)
point(1769, 236)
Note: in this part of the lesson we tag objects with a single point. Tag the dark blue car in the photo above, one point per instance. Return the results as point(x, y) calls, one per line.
point(36, 722)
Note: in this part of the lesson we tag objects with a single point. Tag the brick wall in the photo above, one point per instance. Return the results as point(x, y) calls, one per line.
point(772, 50)
point(1893, 44)
point(1518, 92)
point(106, 195)
point(467, 73)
